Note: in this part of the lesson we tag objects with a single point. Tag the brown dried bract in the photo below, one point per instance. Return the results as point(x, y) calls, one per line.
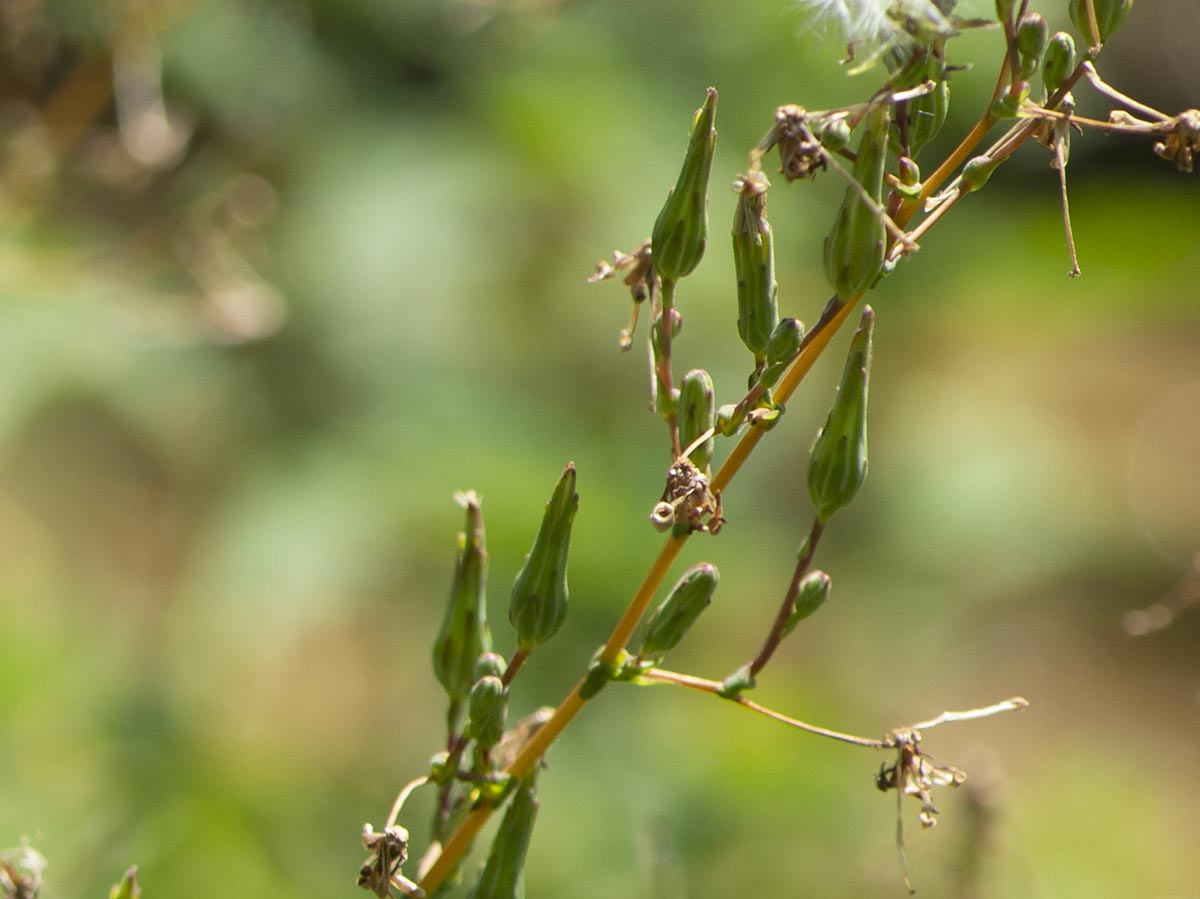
point(800, 152)
point(1183, 142)
point(380, 872)
point(914, 773)
point(688, 500)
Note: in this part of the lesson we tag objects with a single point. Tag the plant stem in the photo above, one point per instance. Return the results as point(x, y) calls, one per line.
point(514, 665)
point(1112, 93)
point(460, 841)
point(666, 386)
point(641, 600)
point(775, 636)
point(403, 798)
point(714, 687)
point(814, 344)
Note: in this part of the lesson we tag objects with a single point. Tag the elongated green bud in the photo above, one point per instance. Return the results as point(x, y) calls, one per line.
point(1032, 37)
point(464, 636)
point(681, 230)
point(926, 116)
point(977, 171)
point(488, 711)
point(837, 465)
point(1059, 61)
point(1004, 9)
point(813, 592)
point(922, 117)
point(1110, 15)
point(679, 611)
point(854, 250)
point(539, 597)
point(697, 412)
point(128, 888)
point(503, 874)
point(754, 264)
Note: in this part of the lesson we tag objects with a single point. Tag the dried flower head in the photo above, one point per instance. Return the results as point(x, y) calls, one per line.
point(380, 872)
point(640, 280)
point(801, 154)
point(914, 774)
point(21, 873)
point(688, 504)
point(1183, 143)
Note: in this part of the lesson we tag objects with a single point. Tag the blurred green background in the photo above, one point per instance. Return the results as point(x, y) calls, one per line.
point(320, 264)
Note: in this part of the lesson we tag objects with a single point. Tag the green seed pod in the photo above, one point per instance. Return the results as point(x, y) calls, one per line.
point(464, 635)
point(679, 611)
point(503, 874)
point(128, 888)
point(1059, 61)
point(782, 348)
point(538, 604)
point(1110, 15)
point(837, 465)
point(813, 592)
point(1004, 9)
point(488, 711)
point(1032, 37)
point(754, 263)
point(681, 230)
point(855, 247)
point(697, 413)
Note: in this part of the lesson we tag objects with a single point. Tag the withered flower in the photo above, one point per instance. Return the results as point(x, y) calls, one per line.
point(914, 773)
point(640, 279)
point(1183, 142)
point(801, 154)
point(688, 503)
point(380, 872)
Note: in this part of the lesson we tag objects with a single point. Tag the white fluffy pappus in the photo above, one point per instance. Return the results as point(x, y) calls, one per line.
point(876, 22)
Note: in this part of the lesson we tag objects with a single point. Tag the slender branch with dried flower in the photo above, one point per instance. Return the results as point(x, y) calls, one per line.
point(885, 211)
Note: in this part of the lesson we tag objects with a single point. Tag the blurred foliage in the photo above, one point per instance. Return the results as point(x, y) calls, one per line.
point(277, 277)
